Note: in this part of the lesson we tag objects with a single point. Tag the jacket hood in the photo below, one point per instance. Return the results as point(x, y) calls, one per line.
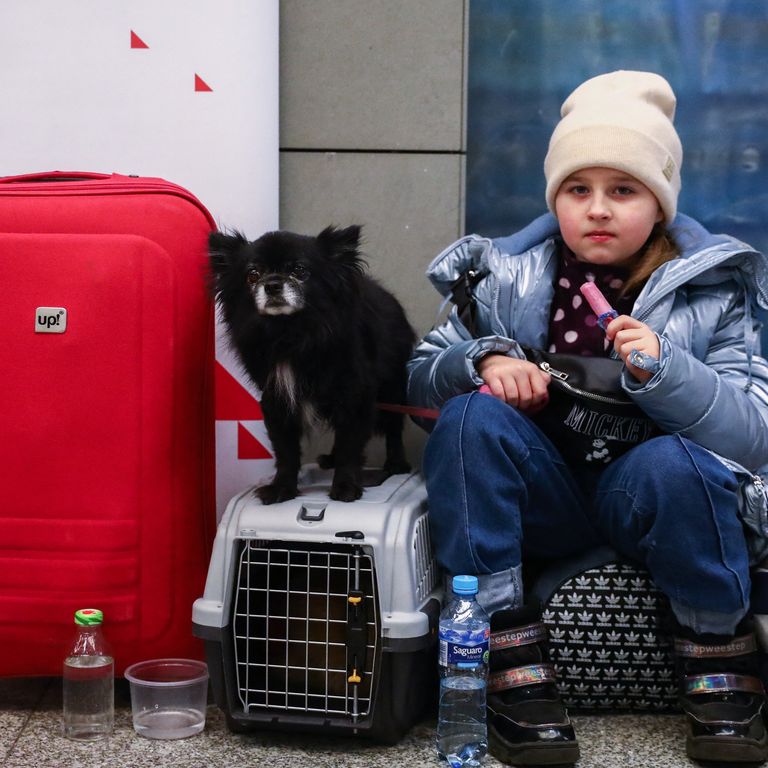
point(710, 259)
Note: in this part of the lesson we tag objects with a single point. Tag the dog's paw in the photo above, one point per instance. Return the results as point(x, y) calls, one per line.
point(326, 461)
point(345, 490)
point(275, 493)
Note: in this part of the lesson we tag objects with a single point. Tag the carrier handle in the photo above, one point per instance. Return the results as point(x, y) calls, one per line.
point(55, 176)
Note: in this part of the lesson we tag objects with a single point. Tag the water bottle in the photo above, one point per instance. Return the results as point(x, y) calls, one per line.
point(464, 633)
point(89, 680)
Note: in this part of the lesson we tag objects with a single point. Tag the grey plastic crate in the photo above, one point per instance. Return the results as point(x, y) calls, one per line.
point(322, 615)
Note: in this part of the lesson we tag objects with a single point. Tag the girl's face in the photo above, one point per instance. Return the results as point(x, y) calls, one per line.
point(605, 216)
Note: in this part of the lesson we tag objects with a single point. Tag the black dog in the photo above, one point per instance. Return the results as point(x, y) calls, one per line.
point(320, 339)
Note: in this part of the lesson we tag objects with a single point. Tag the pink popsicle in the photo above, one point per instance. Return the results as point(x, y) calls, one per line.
point(600, 306)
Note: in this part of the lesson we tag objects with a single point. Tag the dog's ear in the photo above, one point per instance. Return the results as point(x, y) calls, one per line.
point(225, 260)
point(221, 244)
point(341, 245)
point(338, 242)
point(223, 249)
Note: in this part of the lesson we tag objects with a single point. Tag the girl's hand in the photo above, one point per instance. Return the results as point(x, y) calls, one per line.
point(520, 383)
point(627, 334)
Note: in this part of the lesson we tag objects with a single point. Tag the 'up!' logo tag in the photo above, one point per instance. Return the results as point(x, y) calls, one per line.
point(50, 320)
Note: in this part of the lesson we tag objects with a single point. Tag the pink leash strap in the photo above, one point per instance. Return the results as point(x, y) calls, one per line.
point(424, 413)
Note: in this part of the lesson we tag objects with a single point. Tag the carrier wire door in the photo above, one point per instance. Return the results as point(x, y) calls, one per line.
point(306, 630)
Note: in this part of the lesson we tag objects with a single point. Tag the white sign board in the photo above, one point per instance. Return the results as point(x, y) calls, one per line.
point(186, 90)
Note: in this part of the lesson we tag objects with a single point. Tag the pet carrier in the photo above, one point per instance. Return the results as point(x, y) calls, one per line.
point(322, 615)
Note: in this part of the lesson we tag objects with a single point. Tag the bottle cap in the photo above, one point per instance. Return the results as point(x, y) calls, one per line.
point(88, 617)
point(465, 585)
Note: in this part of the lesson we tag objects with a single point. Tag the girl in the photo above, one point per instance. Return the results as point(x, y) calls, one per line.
point(682, 503)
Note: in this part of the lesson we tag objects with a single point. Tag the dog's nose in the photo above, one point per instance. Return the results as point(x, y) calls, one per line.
point(273, 286)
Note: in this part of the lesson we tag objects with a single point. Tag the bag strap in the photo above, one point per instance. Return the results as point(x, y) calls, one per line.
point(463, 296)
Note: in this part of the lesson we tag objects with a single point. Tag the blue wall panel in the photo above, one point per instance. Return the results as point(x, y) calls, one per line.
point(525, 57)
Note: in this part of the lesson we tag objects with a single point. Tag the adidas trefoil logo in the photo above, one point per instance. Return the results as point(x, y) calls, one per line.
point(602, 582)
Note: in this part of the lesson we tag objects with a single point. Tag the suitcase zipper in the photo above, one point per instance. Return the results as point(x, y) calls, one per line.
point(106, 186)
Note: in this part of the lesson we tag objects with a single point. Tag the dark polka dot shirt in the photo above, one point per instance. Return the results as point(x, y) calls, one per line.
point(573, 326)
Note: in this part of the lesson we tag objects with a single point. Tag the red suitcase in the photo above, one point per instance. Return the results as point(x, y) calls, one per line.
point(106, 442)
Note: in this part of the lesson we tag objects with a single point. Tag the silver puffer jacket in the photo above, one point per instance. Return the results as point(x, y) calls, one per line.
point(712, 383)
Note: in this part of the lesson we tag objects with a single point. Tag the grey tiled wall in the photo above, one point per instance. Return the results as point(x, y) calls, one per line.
point(372, 132)
point(372, 74)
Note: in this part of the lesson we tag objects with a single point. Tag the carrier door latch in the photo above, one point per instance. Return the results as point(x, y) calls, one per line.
point(357, 636)
point(357, 633)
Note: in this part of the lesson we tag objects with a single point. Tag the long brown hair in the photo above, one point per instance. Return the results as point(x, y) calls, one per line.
point(659, 249)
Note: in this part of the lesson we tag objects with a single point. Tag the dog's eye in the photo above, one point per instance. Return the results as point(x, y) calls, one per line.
point(253, 275)
point(299, 271)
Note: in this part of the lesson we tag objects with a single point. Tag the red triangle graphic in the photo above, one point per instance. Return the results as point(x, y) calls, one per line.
point(136, 41)
point(248, 447)
point(201, 85)
point(233, 401)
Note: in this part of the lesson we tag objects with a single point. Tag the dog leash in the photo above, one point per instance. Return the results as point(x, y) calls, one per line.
point(424, 413)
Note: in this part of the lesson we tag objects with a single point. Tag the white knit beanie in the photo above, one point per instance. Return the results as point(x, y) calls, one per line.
point(620, 120)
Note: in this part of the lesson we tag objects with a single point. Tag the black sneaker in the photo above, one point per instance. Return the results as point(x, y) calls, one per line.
point(723, 698)
point(527, 722)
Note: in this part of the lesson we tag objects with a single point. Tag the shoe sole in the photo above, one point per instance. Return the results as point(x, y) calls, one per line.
point(532, 753)
point(736, 749)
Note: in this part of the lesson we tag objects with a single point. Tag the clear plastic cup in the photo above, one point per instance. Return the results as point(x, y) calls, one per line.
point(168, 697)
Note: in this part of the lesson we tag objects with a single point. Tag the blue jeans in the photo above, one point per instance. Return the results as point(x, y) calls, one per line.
point(499, 492)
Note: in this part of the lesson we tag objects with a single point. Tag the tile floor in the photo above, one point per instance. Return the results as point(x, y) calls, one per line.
point(30, 736)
